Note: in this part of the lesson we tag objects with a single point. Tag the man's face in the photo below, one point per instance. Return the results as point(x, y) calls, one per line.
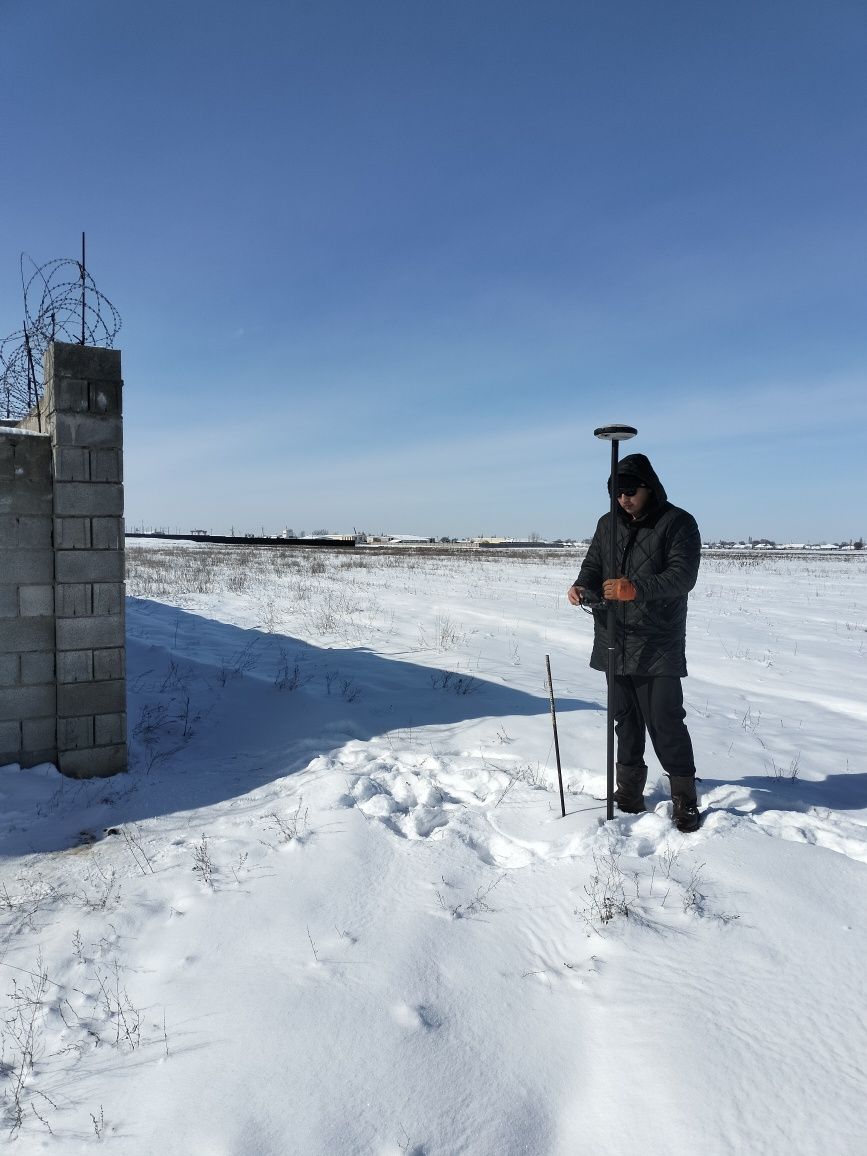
point(634, 501)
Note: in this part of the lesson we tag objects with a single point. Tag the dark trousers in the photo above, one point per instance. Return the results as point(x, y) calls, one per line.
point(643, 705)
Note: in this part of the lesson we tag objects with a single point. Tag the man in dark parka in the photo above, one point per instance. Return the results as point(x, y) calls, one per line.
point(658, 549)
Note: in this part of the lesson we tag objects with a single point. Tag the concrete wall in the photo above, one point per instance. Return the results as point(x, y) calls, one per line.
point(28, 694)
point(71, 584)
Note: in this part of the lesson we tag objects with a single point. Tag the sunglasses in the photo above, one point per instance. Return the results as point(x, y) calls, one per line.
point(627, 491)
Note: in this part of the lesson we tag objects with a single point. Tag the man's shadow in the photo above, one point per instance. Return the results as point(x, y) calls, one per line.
point(846, 792)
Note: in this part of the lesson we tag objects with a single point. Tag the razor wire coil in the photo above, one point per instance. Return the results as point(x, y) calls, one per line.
point(61, 303)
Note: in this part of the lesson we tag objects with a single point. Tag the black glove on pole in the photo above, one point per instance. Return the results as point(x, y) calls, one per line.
point(614, 434)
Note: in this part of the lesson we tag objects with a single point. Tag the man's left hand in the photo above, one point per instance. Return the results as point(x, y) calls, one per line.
point(619, 590)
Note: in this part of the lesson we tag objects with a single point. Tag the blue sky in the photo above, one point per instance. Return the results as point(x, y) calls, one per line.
point(387, 264)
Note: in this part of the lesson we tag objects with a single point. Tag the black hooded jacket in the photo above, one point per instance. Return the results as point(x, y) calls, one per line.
point(660, 553)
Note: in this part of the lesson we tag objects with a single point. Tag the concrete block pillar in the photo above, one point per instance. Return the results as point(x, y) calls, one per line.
point(83, 406)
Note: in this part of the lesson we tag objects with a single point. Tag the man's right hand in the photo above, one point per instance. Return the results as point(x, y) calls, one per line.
point(575, 594)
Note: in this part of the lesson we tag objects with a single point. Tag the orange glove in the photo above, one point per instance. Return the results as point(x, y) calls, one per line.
point(619, 590)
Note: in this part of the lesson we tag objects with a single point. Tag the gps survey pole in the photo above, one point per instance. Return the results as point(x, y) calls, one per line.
point(614, 434)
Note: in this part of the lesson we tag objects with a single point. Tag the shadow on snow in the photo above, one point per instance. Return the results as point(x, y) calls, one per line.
point(215, 711)
point(847, 792)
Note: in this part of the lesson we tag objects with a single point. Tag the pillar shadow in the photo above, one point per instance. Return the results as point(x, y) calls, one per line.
point(216, 711)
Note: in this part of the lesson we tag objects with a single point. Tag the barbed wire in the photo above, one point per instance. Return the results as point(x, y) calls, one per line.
point(61, 303)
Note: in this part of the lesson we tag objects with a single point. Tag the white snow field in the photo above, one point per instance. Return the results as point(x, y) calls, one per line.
point(334, 909)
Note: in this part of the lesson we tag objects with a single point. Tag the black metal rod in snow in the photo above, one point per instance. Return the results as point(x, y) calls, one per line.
point(615, 434)
point(556, 739)
point(83, 275)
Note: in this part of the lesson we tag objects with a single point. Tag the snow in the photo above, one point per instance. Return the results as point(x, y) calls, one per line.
point(333, 908)
point(20, 432)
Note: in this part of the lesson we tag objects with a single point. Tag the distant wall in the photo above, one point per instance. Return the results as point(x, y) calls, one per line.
point(62, 651)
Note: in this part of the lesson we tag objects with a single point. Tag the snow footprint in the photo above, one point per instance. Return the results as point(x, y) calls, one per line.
point(828, 829)
point(408, 804)
point(818, 826)
point(415, 1017)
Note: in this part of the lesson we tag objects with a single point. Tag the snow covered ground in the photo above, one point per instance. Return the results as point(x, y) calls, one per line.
point(333, 908)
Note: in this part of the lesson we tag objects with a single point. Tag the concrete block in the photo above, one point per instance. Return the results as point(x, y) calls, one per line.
point(7, 457)
point(108, 663)
point(107, 533)
point(72, 464)
point(26, 498)
point(87, 500)
point(19, 702)
point(91, 362)
point(106, 465)
point(36, 420)
point(71, 395)
point(35, 601)
point(96, 763)
point(23, 566)
point(105, 397)
point(75, 734)
point(92, 633)
point(34, 533)
point(10, 741)
point(109, 729)
point(40, 734)
point(32, 458)
point(72, 533)
point(89, 565)
point(31, 758)
point(74, 666)
point(26, 634)
point(73, 599)
point(37, 668)
point(8, 602)
point(79, 698)
point(8, 530)
point(10, 669)
point(108, 598)
point(85, 430)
